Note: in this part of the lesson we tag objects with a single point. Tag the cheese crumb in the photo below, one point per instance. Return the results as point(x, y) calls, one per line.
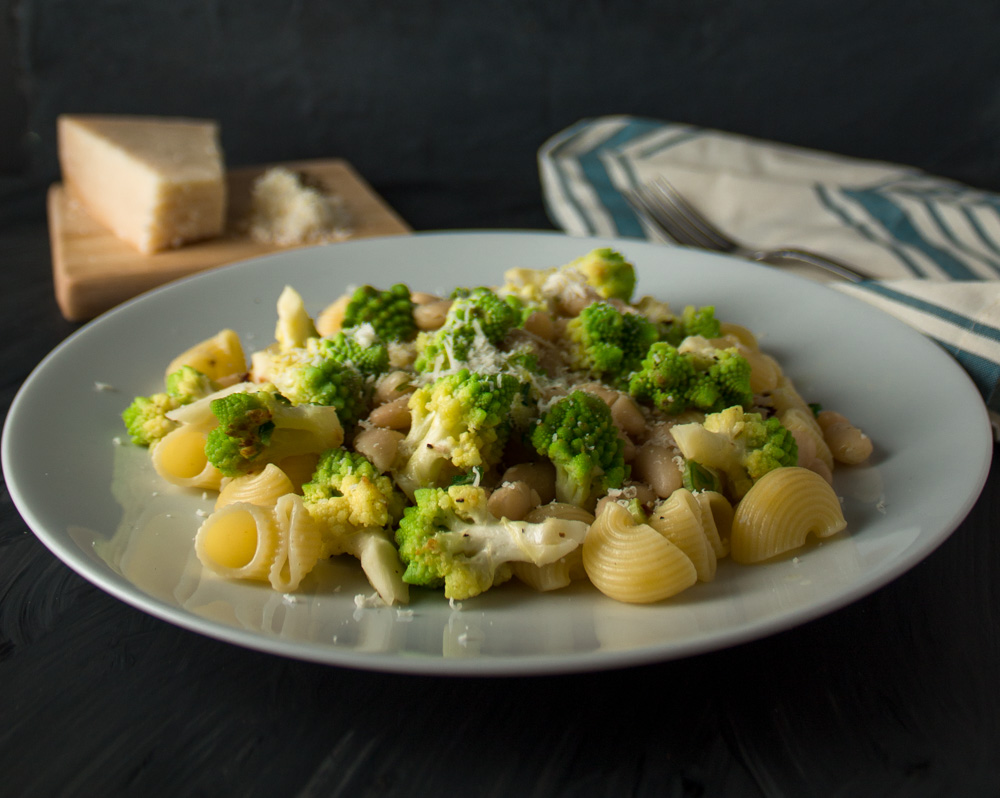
point(361, 601)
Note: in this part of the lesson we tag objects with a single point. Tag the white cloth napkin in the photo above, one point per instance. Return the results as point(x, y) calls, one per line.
point(932, 246)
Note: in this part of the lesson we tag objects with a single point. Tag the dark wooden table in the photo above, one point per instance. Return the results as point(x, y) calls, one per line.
point(898, 694)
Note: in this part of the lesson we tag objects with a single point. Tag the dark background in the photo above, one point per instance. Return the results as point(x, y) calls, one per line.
point(455, 97)
point(442, 105)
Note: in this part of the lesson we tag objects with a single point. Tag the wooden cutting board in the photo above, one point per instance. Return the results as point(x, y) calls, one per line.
point(93, 270)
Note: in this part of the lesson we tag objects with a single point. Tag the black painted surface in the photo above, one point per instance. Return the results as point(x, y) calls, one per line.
point(894, 695)
point(461, 94)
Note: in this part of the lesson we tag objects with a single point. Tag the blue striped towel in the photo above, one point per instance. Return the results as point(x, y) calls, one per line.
point(932, 245)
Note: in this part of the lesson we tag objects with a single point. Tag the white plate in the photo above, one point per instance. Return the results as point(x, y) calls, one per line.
point(101, 510)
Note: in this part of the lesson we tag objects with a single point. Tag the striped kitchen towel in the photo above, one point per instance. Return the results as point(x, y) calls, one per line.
point(932, 245)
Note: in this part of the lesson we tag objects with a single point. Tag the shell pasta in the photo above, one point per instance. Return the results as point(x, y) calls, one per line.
point(782, 508)
point(552, 430)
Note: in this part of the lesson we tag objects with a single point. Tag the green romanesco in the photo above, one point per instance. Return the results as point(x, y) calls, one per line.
point(347, 493)
point(603, 273)
point(706, 379)
point(478, 318)
point(692, 321)
point(187, 384)
point(607, 271)
point(389, 312)
point(741, 446)
point(259, 427)
point(458, 422)
point(607, 343)
point(449, 539)
point(316, 373)
point(357, 346)
point(357, 507)
point(579, 436)
point(146, 417)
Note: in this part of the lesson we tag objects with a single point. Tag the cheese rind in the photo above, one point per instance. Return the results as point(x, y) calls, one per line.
point(155, 182)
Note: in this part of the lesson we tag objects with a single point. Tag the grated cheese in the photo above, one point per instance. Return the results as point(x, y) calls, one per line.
point(285, 211)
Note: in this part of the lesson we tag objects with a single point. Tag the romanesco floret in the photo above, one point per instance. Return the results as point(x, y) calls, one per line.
point(579, 436)
point(608, 343)
point(146, 417)
point(708, 380)
point(347, 493)
point(459, 421)
point(359, 347)
point(389, 312)
point(188, 384)
point(477, 317)
point(316, 374)
point(449, 538)
point(357, 508)
point(527, 285)
point(742, 446)
point(602, 272)
point(692, 321)
point(258, 427)
point(607, 271)
point(246, 422)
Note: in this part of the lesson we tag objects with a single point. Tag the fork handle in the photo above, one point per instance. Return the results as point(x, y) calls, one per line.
point(773, 256)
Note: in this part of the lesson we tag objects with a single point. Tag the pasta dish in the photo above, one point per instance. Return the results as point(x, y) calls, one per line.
point(550, 428)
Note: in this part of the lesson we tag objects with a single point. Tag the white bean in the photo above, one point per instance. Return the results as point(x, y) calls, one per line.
point(540, 323)
point(392, 386)
point(513, 500)
point(540, 476)
point(379, 445)
point(628, 417)
point(432, 315)
point(654, 464)
point(848, 444)
point(393, 415)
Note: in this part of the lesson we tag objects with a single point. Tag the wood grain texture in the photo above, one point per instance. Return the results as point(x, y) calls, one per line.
point(93, 270)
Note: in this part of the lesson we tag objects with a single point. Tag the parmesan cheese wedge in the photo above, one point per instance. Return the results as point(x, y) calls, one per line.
point(155, 182)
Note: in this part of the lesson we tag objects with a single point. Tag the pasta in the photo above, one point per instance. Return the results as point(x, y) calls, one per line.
point(782, 508)
point(717, 519)
point(180, 459)
point(217, 357)
point(727, 462)
point(262, 488)
point(679, 519)
point(280, 544)
point(633, 562)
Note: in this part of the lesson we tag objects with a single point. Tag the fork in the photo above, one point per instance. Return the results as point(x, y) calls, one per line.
point(667, 209)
